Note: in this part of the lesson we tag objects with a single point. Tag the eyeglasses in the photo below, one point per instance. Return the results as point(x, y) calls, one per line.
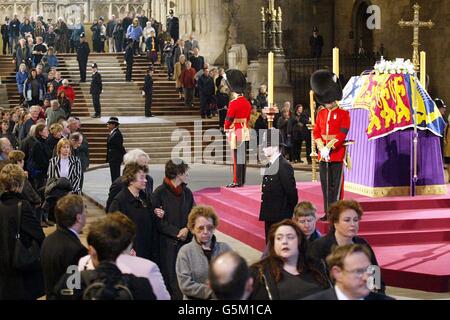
point(359, 272)
point(209, 228)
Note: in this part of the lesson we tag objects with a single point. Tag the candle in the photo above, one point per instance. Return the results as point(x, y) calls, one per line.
point(336, 61)
point(312, 106)
point(423, 68)
point(270, 79)
point(271, 5)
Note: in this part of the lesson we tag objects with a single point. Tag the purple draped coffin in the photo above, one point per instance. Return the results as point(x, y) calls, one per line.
point(383, 167)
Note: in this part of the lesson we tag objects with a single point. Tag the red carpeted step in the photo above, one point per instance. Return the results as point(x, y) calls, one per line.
point(406, 236)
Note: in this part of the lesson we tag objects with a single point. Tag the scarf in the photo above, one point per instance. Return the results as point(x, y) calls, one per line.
point(178, 191)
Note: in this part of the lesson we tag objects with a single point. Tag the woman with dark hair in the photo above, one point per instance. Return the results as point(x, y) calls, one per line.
point(16, 284)
point(172, 201)
point(40, 156)
point(285, 274)
point(343, 217)
point(34, 89)
point(130, 202)
point(298, 131)
point(64, 103)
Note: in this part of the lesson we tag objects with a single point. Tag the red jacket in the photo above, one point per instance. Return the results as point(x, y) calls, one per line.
point(70, 94)
point(332, 124)
point(187, 78)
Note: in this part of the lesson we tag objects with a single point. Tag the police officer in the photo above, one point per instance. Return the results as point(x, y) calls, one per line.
point(96, 90)
point(129, 59)
point(82, 56)
point(115, 150)
point(279, 192)
point(330, 132)
point(147, 90)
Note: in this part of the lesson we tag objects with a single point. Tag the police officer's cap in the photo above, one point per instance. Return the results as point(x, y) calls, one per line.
point(82, 35)
point(273, 138)
point(94, 65)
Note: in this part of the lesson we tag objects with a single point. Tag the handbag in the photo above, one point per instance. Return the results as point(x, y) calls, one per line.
point(25, 259)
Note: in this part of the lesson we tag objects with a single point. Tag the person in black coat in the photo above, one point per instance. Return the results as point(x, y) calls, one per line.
point(299, 132)
point(96, 90)
point(343, 217)
point(129, 59)
point(279, 192)
point(130, 202)
point(172, 201)
point(15, 284)
point(83, 56)
point(206, 90)
point(114, 148)
point(107, 239)
point(5, 36)
point(147, 90)
point(63, 247)
point(133, 156)
point(40, 157)
point(349, 266)
point(173, 26)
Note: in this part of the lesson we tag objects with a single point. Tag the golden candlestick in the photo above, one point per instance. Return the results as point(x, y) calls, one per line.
point(314, 155)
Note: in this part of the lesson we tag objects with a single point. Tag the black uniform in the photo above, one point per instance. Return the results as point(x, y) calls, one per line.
point(279, 193)
point(173, 26)
point(82, 57)
point(96, 90)
point(148, 89)
point(129, 59)
point(115, 152)
point(5, 37)
point(206, 90)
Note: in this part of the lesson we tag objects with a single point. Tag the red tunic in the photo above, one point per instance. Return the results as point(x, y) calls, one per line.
point(238, 116)
point(332, 124)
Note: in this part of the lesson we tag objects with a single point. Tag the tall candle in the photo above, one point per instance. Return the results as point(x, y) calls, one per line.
point(270, 79)
point(423, 68)
point(336, 61)
point(312, 106)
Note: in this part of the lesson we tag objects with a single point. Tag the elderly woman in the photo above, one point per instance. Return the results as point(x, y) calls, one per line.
point(55, 135)
point(172, 201)
point(34, 90)
point(64, 165)
point(21, 77)
point(141, 158)
point(193, 259)
point(179, 67)
point(130, 202)
point(285, 274)
point(15, 284)
point(343, 217)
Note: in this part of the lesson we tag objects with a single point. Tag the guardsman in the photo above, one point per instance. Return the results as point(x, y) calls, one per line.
point(330, 132)
point(236, 125)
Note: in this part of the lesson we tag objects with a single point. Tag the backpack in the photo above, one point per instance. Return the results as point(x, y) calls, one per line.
point(98, 288)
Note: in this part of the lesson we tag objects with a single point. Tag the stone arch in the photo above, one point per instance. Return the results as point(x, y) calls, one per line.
point(362, 36)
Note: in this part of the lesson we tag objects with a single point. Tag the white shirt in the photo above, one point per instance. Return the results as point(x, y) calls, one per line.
point(64, 168)
point(341, 295)
point(139, 267)
point(274, 157)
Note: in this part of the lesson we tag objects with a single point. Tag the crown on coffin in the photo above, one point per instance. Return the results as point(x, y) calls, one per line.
point(397, 66)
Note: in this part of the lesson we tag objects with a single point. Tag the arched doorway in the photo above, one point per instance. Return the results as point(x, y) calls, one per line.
point(363, 36)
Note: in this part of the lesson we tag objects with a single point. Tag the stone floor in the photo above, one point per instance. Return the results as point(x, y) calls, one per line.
point(203, 176)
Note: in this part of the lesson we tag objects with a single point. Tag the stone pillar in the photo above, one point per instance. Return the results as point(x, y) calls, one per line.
point(87, 17)
point(110, 11)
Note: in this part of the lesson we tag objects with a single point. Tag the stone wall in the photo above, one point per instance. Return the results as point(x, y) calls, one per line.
point(397, 41)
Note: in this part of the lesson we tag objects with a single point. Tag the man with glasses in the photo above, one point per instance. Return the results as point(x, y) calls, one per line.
point(351, 272)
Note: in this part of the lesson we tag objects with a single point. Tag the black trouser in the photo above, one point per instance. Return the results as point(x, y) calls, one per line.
point(96, 103)
point(267, 225)
point(6, 44)
point(204, 106)
point(82, 66)
point(114, 168)
point(188, 97)
point(222, 116)
point(148, 105)
point(136, 47)
point(129, 71)
point(240, 163)
point(331, 186)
